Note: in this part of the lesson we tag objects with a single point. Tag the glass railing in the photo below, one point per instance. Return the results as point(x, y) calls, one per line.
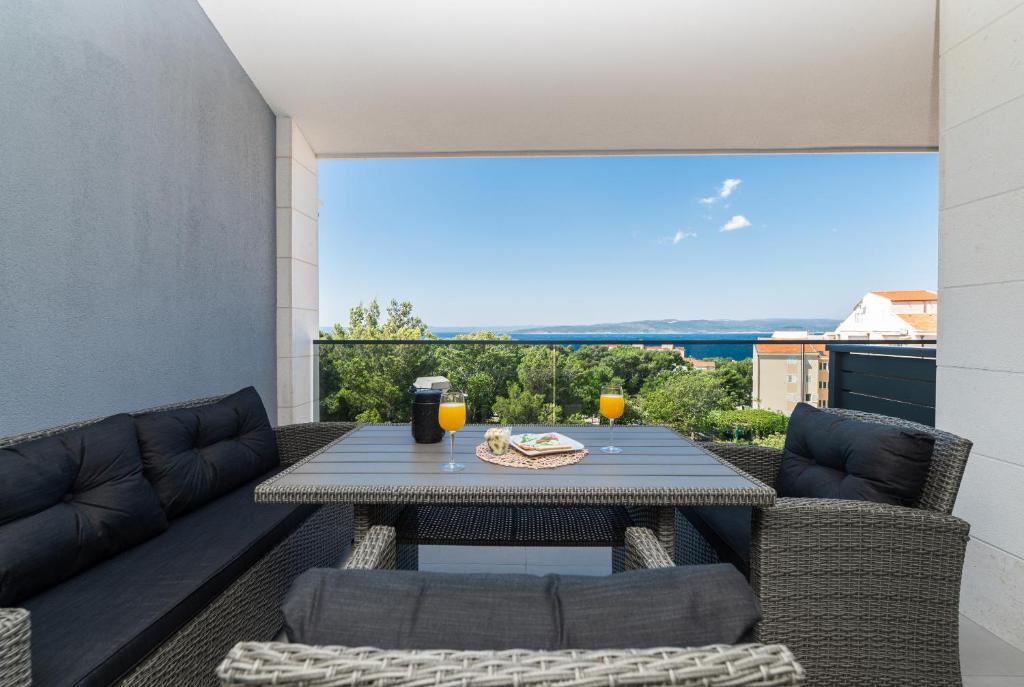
point(739, 389)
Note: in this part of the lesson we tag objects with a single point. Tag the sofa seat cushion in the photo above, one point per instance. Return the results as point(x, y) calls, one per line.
point(829, 456)
point(726, 529)
point(193, 455)
point(69, 501)
point(398, 609)
point(97, 626)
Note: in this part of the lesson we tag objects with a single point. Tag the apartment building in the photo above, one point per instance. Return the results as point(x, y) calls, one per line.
point(778, 382)
point(892, 315)
point(786, 374)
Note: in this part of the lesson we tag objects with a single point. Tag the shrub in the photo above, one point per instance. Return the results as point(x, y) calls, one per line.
point(746, 423)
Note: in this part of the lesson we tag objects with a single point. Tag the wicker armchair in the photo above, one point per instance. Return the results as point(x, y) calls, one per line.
point(249, 608)
point(256, 664)
point(858, 590)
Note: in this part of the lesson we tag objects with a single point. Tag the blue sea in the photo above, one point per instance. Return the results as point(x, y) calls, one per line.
point(701, 350)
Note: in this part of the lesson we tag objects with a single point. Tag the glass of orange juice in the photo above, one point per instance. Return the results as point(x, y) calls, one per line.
point(451, 415)
point(613, 404)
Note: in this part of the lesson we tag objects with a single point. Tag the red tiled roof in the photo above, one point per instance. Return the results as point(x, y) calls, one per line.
point(903, 296)
point(765, 348)
point(922, 322)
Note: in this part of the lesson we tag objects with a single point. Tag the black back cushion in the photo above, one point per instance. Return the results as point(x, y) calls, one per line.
point(193, 455)
point(69, 501)
point(833, 457)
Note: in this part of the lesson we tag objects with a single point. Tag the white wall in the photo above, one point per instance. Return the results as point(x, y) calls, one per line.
point(298, 291)
point(981, 288)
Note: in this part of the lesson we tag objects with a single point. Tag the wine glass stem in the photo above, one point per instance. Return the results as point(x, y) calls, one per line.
point(611, 431)
point(451, 450)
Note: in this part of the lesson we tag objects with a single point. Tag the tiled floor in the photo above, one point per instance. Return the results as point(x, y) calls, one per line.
point(987, 661)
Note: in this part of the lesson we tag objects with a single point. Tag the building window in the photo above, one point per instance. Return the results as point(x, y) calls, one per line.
point(807, 398)
point(791, 397)
point(791, 361)
point(790, 379)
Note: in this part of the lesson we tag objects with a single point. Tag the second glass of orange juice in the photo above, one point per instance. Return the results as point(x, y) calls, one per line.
point(613, 404)
point(451, 415)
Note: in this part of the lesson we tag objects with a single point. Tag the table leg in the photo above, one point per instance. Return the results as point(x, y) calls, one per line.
point(665, 530)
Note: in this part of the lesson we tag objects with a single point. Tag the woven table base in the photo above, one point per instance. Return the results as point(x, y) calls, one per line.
point(514, 459)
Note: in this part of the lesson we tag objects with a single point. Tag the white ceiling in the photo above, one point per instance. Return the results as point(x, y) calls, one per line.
point(379, 77)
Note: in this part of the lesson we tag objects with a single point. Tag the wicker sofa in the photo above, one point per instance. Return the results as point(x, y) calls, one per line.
point(180, 644)
point(267, 664)
point(863, 593)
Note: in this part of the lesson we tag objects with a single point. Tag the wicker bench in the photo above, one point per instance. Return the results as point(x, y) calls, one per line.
point(257, 664)
point(247, 609)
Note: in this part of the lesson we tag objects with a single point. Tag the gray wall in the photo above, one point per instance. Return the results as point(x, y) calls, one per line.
point(137, 237)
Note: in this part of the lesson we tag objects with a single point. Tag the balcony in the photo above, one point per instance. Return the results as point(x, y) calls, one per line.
point(160, 270)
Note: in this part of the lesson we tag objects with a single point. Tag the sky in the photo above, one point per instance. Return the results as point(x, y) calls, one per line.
point(476, 242)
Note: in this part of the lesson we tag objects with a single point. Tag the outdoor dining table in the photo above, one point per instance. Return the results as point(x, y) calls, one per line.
point(378, 467)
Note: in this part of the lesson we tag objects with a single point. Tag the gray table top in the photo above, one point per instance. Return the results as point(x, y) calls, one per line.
point(380, 464)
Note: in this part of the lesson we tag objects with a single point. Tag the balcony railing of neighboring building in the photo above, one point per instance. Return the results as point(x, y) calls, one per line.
point(889, 380)
point(558, 380)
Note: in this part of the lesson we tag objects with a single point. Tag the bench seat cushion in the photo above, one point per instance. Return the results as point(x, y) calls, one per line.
point(399, 609)
point(95, 627)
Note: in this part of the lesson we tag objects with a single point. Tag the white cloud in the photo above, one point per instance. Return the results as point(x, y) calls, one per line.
point(737, 222)
point(683, 235)
point(724, 191)
point(728, 186)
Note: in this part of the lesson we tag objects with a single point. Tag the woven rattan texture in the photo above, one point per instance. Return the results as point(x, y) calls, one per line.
point(514, 459)
point(377, 551)
point(249, 609)
point(514, 525)
point(864, 593)
point(260, 664)
point(15, 649)
point(644, 551)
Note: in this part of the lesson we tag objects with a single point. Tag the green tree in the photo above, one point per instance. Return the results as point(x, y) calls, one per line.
point(737, 377)
point(682, 399)
point(370, 383)
point(482, 370)
point(521, 406)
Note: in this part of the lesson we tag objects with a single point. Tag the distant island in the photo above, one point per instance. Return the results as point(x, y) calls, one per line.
point(689, 327)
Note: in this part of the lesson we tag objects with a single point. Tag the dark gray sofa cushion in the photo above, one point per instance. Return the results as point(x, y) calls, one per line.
point(69, 501)
point(193, 455)
point(828, 456)
point(96, 627)
point(726, 529)
point(396, 609)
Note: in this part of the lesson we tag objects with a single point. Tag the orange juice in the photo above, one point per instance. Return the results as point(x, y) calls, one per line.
point(451, 416)
point(612, 405)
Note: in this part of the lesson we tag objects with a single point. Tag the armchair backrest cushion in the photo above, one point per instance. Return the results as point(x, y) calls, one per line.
point(400, 609)
point(834, 457)
point(70, 500)
point(193, 455)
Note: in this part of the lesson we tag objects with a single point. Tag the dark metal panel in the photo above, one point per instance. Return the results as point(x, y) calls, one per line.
point(883, 406)
point(885, 366)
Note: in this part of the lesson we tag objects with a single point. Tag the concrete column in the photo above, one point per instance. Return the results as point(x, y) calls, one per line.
point(298, 292)
point(981, 292)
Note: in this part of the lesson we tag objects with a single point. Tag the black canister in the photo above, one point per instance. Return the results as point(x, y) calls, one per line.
point(425, 428)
